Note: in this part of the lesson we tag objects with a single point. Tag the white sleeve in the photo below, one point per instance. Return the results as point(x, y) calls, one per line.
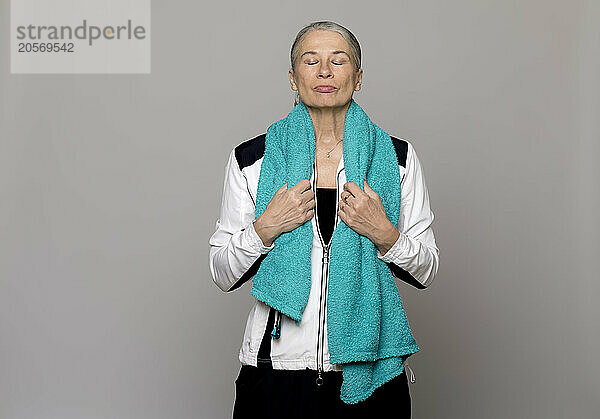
point(415, 252)
point(235, 247)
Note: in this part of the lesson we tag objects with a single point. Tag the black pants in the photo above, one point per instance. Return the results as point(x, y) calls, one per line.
point(271, 393)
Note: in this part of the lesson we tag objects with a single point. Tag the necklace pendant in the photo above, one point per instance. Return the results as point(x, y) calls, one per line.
point(328, 155)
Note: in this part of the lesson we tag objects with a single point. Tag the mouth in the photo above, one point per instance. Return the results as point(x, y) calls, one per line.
point(325, 88)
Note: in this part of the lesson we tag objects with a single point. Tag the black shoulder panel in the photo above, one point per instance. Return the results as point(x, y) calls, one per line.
point(248, 152)
point(401, 147)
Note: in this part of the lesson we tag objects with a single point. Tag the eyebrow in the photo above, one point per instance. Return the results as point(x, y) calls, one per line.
point(333, 52)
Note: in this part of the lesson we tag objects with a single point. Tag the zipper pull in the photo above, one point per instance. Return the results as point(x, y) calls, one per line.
point(276, 333)
point(412, 375)
point(325, 258)
point(319, 379)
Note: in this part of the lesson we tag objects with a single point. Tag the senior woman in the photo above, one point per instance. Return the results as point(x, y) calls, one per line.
point(323, 212)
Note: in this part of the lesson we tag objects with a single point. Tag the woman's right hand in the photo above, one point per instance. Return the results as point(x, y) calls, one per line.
point(287, 210)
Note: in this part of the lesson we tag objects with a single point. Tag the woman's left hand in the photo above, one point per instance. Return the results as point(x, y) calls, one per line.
point(364, 213)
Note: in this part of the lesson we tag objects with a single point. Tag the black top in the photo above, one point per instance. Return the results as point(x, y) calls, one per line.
point(326, 198)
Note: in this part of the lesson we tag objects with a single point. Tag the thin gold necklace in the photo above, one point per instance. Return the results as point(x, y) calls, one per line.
point(328, 153)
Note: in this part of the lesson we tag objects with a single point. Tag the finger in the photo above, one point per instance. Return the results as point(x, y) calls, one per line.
point(353, 188)
point(344, 206)
point(307, 195)
point(282, 188)
point(307, 200)
point(307, 191)
point(303, 185)
point(341, 212)
point(369, 191)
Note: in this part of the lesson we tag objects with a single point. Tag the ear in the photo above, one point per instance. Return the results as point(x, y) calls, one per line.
point(292, 81)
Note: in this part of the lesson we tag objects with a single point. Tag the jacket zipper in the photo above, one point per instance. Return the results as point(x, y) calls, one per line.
point(322, 306)
point(324, 274)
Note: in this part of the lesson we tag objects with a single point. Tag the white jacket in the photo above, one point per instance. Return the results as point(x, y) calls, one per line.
point(236, 252)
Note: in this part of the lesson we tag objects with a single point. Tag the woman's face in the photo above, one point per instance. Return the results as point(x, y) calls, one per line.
point(324, 59)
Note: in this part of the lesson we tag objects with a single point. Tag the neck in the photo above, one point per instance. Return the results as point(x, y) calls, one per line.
point(328, 123)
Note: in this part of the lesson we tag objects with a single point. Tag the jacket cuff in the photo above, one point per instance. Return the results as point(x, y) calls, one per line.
point(255, 241)
point(395, 251)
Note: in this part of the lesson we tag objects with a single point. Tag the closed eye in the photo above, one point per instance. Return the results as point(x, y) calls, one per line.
point(336, 63)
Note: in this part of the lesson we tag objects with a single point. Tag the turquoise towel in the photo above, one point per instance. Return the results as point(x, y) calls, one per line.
point(367, 329)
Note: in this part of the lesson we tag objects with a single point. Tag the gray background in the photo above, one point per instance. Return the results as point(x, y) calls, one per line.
point(111, 186)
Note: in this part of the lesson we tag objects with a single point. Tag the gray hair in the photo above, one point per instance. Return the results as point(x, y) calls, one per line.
point(329, 26)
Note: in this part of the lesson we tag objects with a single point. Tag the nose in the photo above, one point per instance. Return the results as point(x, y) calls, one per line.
point(325, 71)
